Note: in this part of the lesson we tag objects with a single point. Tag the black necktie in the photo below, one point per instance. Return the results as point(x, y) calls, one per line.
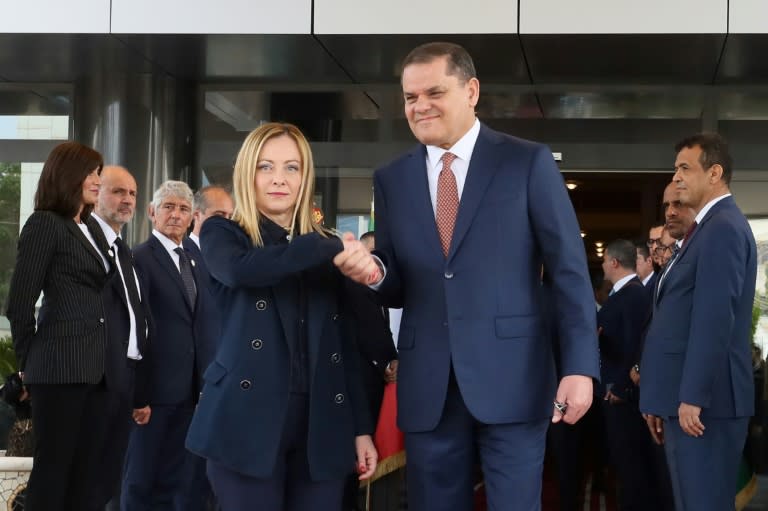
point(125, 259)
point(186, 275)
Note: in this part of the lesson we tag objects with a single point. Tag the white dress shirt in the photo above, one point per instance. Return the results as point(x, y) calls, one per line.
point(194, 237)
point(111, 235)
point(622, 282)
point(170, 246)
point(463, 150)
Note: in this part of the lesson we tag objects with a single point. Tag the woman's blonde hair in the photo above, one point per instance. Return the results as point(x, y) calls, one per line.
point(246, 211)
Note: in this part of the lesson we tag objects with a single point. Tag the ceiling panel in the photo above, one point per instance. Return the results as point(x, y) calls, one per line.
point(636, 58)
point(744, 60)
point(377, 58)
point(64, 57)
point(272, 58)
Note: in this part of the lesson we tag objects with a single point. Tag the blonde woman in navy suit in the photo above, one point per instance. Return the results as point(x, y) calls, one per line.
point(282, 419)
point(62, 354)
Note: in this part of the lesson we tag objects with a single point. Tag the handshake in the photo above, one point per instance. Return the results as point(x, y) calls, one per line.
point(357, 263)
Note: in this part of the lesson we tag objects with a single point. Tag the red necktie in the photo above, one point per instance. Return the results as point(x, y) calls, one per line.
point(690, 232)
point(447, 202)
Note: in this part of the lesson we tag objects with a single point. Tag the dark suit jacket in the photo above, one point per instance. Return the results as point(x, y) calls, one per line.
point(698, 346)
point(134, 387)
point(55, 257)
point(374, 342)
point(183, 339)
point(622, 318)
point(479, 310)
point(239, 420)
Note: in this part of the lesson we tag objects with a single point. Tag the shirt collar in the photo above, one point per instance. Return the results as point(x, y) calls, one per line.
point(622, 282)
point(708, 206)
point(169, 245)
point(462, 148)
point(109, 233)
point(194, 237)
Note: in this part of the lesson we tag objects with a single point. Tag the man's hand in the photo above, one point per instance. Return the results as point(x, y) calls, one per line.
point(367, 457)
point(356, 262)
point(634, 376)
point(141, 415)
point(656, 427)
point(689, 419)
point(575, 391)
point(390, 373)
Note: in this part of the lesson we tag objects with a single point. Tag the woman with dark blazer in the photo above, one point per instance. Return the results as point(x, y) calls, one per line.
point(61, 355)
point(282, 418)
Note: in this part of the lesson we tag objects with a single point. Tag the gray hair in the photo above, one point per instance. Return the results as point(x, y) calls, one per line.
point(178, 189)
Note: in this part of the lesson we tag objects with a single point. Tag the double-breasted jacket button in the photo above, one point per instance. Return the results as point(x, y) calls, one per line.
point(335, 317)
point(245, 384)
point(257, 344)
point(448, 275)
point(101, 320)
point(335, 358)
point(261, 305)
point(339, 398)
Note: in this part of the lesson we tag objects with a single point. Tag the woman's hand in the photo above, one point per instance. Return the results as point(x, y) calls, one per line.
point(367, 457)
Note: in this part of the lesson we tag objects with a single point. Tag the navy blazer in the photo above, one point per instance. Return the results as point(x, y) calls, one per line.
point(183, 339)
point(480, 309)
point(621, 321)
point(239, 420)
point(698, 346)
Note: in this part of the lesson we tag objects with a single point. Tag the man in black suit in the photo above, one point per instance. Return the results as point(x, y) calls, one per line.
point(620, 325)
point(175, 282)
point(126, 330)
point(378, 365)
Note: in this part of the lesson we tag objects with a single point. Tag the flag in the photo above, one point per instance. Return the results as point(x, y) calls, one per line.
point(389, 440)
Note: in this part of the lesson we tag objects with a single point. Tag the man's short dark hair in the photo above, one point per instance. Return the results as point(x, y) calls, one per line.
point(369, 234)
point(60, 188)
point(714, 151)
point(459, 62)
point(642, 247)
point(624, 252)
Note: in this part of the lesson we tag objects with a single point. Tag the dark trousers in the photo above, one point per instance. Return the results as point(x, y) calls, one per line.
point(119, 424)
point(154, 477)
point(440, 462)
point(69, 430)
point(630, 451)
point(704, 470)
point(290, 488)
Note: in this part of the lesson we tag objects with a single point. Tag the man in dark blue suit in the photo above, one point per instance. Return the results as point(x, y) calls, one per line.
point(696, 385)
point(176, 285)
point(464, 224)
point(620, 323)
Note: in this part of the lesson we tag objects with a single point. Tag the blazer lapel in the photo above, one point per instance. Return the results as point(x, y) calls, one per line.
point(164, 259)
point(482, 167)
point(78, 234)
point(420, 198)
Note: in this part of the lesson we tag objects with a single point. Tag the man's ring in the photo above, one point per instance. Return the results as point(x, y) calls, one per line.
point(561, 407)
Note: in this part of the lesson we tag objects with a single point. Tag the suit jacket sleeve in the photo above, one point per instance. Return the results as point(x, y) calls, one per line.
point(234, 263)
point(389, 290)
point(36, 246)
point(557, 232)
point(374, 340)
point(719, 284)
